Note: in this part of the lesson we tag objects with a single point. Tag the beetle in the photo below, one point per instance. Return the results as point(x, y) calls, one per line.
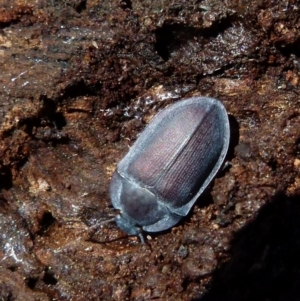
point(170, 164)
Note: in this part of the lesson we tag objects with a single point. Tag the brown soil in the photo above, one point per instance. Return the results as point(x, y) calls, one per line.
point(79, 81)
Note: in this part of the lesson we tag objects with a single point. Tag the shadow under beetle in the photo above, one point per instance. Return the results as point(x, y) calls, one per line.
point(169, 166)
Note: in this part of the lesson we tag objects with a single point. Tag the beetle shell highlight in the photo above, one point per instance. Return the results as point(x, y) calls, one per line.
point(170, 164)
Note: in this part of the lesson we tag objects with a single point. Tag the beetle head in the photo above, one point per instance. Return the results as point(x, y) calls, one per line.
point(128, 226)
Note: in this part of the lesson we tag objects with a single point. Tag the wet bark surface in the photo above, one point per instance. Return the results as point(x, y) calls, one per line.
point(79, 82)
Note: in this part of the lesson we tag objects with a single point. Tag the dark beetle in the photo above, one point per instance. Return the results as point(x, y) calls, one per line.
point(170, 164)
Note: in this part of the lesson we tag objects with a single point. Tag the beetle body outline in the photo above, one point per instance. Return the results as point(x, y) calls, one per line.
point(170, 164)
